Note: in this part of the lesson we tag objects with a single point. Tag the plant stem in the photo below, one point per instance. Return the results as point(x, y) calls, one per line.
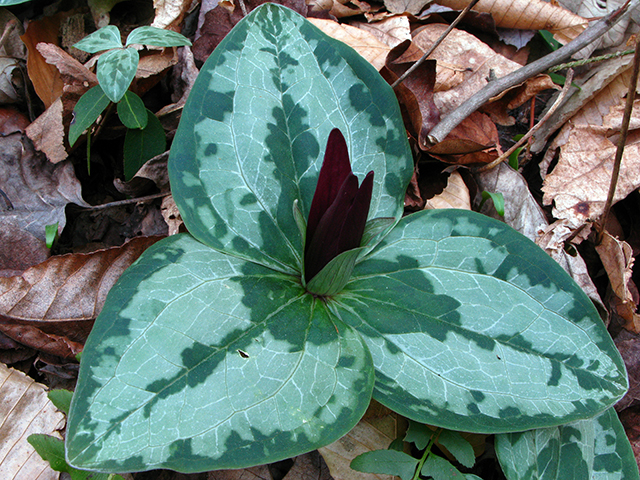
point(495, 87)
point(435, 45)
point(427, 451)
point(586, 61)
point(129, 201)
point(624, 129)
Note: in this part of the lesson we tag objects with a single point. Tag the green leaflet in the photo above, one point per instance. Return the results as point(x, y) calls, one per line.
point(106, 38)
point(201, 361)
point(131, 111)
point(472, 327)
point(116, 69)
point(86, 111)
point(595, 448)
point(255, 124)
point(157, 37)
point(143, 144)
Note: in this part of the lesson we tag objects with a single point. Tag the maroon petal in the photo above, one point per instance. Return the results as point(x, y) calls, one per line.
point(353, 228)
point(335, 169)
point(323, 244)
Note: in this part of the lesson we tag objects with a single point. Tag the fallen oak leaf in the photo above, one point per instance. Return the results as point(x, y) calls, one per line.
point(57, 300)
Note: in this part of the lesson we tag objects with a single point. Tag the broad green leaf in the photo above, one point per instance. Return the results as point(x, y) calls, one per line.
point(473, 327)
point(61, 399)
point(256, 124)
point(86, 112)
point(386, 462)
point(157, 37)
point(202, 361)
point(106, 38)
point(439, 468)
point(131, 111)
point(596, 448)
point(142, 145)
point(458, 446)
point(116, 69)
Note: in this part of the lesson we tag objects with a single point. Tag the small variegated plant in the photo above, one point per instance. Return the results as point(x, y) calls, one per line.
point(301, 291)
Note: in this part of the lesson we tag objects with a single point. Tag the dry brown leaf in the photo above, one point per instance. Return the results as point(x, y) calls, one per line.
point(24, 410)
point(47, 132)
point(49, 305)
point(171, 215)
point(528, 15)
point(579, 184)
point(617, 260)
point(406, 6)
point(465, 64)
point(363, 42)
point(476, 133)
point(391, 31)
point(45, 77)
point(377, 429)
point(19, 249)
point(38, 191)
point(415, 93)
point(455, 195)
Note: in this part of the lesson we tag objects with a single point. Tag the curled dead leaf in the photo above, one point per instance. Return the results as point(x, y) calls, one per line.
point(50, 306)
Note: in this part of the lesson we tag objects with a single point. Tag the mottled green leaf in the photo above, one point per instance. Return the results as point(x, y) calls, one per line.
point(201, 361)
point(386, 462)
point(106, 38)
point(256, 123)
point(141, 145)
point(473, 327)
point(116, 69)
point(157, 37)
point(596, 448)
point(86, 111)
point(7, 3)
point(335, 274)
point(131, 111)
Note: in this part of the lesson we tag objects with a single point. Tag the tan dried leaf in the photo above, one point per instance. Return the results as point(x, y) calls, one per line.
point(455, 195)
point(377, 429)
point(617, 259)
point(391, 31)
point(367, 45)
point(528, 15)
point(47, 133)
point(406, 6)
point(170, 13)
point(579, 184)
point(24, 410)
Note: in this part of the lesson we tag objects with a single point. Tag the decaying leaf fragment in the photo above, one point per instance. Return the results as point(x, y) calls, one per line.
point(455, 195)
point(50, 307)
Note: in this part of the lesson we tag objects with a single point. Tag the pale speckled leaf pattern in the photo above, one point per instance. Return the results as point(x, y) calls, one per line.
point(595, 449)
point(106, 38)
point(157, 37)
point(115, 72)
point(472, 327)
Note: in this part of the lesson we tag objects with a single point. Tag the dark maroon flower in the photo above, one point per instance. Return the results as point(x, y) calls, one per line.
point(339, 208)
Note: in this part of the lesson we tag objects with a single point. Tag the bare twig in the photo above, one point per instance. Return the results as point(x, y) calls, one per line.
point(554, 107)
point(624, 129)
point(243, 7)
point(435, 45)
point(495, 87)
point(129, 201)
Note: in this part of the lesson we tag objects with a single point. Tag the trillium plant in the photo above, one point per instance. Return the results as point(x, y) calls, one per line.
point(301, 291)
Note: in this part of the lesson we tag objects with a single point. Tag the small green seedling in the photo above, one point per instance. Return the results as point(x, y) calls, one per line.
point(496, 198)
point(51, 234)
point(396, 462)
point(116, 69)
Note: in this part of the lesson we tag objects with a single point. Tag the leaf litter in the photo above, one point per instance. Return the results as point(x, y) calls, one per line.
point(48, 305)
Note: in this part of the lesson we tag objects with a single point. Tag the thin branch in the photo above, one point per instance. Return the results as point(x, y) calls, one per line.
point(495, 87)
point(534, 129)
point(435, 45)
point(243, 7)
point(129, 201)
point(624, 129)
point(587, 61)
